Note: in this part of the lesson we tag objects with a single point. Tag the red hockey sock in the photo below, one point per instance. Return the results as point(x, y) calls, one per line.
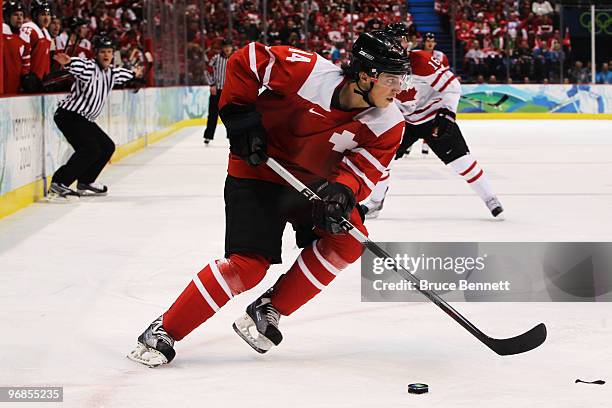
point(212, 288)
point(315, 268)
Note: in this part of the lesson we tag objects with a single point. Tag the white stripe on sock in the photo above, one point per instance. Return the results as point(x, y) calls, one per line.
point(220, 279)
point(330, 268)
point(205, 293)
point(309, 274)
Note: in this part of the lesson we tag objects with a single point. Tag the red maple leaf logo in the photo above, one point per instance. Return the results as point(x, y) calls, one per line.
point(411, 94)
point(407, 95)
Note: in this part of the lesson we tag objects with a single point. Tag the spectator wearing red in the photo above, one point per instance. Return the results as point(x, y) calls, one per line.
point(38, 41)
point(15, 63)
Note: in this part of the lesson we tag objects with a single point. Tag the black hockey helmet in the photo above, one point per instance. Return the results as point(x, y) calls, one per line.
point(377, 52)
point(11, 6)
point(39, 6)
point(398, 30)
point(374, 24)
point(430, 36)
point(101, 41)
point(75, 22)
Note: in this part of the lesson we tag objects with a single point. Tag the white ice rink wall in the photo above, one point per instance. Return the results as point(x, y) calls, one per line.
point(32, 147)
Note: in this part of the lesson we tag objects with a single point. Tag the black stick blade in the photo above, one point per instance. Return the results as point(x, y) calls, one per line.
point(502, 100)
point(597, 382)
point(519, 344)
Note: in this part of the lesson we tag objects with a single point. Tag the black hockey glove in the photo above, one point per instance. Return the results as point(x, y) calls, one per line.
point(443, 124)
point(246, 133)
point(31, 83)
point(403, 148)
point(337, 202)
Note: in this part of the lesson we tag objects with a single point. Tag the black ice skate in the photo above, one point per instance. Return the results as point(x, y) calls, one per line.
point(60, 193)
point(424, 148)
point(155, 346)
point(92, 189)
point(259, 325)
point(372, 208)
point(495, 207)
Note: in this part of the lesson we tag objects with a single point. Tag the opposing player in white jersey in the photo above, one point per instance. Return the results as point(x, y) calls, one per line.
point(429, 108)
point(429, 45)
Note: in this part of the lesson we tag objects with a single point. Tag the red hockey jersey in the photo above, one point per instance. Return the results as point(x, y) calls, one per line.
point(433, 87)
point(84, 49)
point(39, 42)
point(308, 136)
point(15, 63)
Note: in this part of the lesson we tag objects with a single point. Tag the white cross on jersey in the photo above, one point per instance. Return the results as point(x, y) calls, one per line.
point(343, 141)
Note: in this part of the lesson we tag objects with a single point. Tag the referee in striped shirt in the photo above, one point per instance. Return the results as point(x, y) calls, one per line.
point(218, 63)
point(75, 116)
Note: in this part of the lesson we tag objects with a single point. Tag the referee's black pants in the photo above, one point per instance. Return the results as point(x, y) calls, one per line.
point(92, 148)
point(213, 115)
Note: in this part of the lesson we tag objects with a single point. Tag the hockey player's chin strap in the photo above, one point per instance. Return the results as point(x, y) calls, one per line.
point(364, 94)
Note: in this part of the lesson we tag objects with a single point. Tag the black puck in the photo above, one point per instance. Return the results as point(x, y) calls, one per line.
point(418, 388)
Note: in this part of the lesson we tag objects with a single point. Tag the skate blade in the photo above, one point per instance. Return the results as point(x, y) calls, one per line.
point(242, 326)
point(147, 356)
point(55, 199)
point(370, 215)
point(87, 193)
point(500, 217)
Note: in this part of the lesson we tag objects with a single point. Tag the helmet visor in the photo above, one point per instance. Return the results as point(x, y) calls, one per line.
point(394, 80)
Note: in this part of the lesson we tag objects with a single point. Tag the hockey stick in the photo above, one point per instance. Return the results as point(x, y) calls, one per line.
point(497, 104)
point(514, 345)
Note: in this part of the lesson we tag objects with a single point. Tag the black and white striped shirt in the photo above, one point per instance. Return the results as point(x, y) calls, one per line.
point(218, 64)
point(92, 86)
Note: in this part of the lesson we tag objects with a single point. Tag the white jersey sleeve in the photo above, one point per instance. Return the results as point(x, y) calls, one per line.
point(434, 87)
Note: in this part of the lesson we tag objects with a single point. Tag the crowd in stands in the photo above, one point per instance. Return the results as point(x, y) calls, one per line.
point(323, 26)
point(518, 41)
point(503, 40)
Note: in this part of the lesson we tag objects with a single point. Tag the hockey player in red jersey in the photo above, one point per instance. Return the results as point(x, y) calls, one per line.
point(430, 107)
point(334, 129)
point(429, 46)
point(16, 64)
point(74, 41)
point(38, 41)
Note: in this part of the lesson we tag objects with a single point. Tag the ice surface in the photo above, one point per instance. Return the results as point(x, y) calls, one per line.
point(81, 281)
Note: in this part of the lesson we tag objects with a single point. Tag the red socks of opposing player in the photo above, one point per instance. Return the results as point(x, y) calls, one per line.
point(212, 288)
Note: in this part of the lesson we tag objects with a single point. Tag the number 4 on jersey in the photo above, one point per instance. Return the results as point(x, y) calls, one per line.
point(298, 55)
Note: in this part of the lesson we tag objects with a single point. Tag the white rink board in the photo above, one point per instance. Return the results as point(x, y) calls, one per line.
point(81, 281)
point(21, 143)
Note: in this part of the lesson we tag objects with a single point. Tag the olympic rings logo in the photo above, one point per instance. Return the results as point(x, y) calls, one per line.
point(603, 22)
